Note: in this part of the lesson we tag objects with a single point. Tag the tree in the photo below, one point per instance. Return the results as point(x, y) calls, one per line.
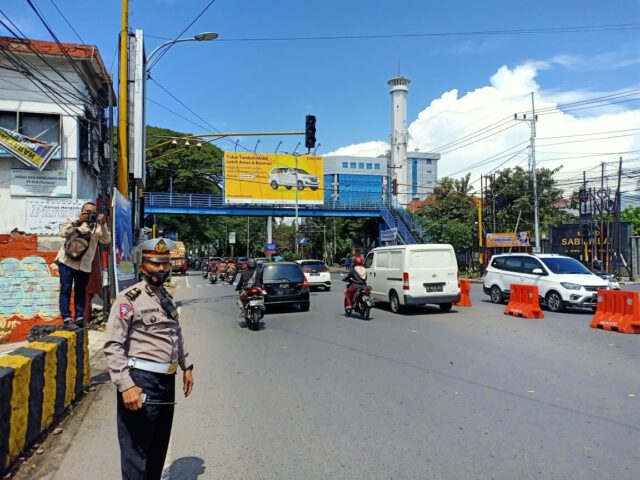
point(512, 190)
point(632, 214)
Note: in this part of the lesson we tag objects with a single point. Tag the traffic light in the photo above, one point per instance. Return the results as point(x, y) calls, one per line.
point(310, 131)
point(586, 232)
point(394, 186)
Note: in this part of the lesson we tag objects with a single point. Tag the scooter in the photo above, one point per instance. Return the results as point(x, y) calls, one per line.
point(231, 275)
point(362, 303)
point(254, 309)
point(213, 277)
point(205, 272)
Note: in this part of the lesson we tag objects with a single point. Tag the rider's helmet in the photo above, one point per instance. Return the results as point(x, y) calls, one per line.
point(251, 263)
point(358, 261)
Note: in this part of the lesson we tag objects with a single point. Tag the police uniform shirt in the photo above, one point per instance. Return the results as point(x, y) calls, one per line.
point(139, 327)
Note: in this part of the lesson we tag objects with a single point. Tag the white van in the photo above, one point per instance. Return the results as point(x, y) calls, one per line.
point(413, 275)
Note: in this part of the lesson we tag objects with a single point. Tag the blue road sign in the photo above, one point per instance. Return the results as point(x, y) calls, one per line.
point(302, 241)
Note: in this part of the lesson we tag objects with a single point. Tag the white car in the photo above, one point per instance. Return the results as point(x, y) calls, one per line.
point(286, 177)
point(561, 281)
point(316, 272)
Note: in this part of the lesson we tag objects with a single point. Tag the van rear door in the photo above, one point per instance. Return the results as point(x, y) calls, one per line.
point(432, 272)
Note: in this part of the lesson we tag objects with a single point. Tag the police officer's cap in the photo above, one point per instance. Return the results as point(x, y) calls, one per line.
point(157, 250)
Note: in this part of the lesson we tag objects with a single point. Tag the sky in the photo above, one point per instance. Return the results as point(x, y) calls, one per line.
point(460, 84)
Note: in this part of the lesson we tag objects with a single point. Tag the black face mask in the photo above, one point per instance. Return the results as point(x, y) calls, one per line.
point(157, 278)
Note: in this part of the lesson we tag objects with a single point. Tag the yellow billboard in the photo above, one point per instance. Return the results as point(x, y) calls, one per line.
point(269, 178)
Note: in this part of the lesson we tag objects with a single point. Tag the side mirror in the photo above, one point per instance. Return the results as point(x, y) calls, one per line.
point(537, 271)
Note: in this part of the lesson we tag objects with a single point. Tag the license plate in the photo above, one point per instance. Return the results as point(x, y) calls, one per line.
point(314, 274)
point(256, 303)
point(436, 287)
point(283, 285)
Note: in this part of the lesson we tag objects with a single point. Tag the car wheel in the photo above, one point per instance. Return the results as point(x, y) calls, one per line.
point(314, 188)
point(496, 295)
point(445, 307)
point(305, 306)
point(394, 302)
point(300, 185)
point(288, 188)
point(274, 185)
point(554, 302)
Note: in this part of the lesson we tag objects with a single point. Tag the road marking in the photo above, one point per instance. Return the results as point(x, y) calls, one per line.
point(187, 279)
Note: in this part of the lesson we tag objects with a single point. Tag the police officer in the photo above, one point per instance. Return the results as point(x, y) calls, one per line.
point(144, 348)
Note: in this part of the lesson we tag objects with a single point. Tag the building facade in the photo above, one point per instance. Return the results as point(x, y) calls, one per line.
point(58, 94)
point(355, 180)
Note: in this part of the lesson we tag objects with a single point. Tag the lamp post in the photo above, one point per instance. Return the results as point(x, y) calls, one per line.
point(200, 37)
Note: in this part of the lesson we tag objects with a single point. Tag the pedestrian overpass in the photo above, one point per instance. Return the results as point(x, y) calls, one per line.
point(203, 204)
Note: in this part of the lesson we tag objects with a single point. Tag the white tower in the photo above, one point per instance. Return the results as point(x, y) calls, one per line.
point(398, 88)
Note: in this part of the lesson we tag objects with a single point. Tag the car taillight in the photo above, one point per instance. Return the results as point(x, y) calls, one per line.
point(325, 270)
point(405, 281)
point(305, 283)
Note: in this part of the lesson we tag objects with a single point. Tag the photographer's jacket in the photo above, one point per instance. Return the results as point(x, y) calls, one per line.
point(99, 233)
point(140, 327)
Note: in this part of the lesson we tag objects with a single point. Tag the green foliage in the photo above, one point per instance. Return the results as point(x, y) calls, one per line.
point(513, 192)
point(632, 214)
point(449, 218)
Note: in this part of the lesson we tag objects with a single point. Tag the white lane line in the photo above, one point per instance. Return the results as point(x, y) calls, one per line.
point(187, 279)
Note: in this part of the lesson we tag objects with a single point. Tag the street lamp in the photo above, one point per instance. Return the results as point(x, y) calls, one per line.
point(200, 37)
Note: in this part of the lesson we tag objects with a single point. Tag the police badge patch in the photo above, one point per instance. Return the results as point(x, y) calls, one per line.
point(124, 310)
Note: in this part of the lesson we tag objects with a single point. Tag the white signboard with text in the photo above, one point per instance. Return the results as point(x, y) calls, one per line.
point(44, 217)
point(49, 183)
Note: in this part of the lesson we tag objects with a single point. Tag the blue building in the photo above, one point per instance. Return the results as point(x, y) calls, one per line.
point(355, 180)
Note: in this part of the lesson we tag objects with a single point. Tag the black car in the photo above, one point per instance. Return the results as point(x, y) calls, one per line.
point(283, 283)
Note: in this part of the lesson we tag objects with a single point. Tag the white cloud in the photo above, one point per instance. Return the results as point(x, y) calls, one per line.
point(450, 117)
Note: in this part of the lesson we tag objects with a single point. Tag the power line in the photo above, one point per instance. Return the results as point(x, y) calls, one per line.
point(67, 22)
point(163, 53)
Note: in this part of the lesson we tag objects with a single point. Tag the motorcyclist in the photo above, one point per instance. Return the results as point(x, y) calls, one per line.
point(356, 279)
point(222, 268)
point(248, 279)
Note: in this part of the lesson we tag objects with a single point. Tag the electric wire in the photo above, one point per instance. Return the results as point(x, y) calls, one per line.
point(67, 22)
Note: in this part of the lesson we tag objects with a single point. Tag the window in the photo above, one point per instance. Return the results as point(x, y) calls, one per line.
point(395, 260)
point(382, 260)
point(369, 166)
point(498, 263)
point(361, 165)
point(345, 164)
point(565, 266)
point(353, 164)
point(513, 264)
point(285, 271)
point(368, 262)
point(42, 127)
point(377, 166)
point(8, 120)
point(428, 161)
point(530, 264)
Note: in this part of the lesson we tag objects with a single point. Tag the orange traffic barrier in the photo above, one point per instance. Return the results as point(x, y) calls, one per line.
point(524, 302)
point(465, 289)
point(617, 310)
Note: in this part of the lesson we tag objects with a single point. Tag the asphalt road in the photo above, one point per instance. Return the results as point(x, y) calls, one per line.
point(470, 394)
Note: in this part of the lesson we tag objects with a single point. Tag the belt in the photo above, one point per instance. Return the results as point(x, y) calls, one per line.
point(149, 366)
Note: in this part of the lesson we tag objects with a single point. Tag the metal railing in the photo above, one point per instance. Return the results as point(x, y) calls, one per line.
point(200, 200)
point(393, 222)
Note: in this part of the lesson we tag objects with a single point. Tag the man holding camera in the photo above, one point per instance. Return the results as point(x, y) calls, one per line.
point(75, 258)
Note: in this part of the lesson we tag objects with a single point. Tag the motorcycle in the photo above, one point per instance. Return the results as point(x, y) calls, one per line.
point(231, 275)
point(254, 309)
point(213, 277)
point(362, 303)
point(205, 272)
point(610, 278)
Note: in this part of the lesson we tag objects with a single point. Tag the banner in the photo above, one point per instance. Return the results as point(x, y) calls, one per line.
point(44, 217)
point(268, 179)
point(29, 151)
point(50, 183)
point(123, 248)
point(389, 235)
point(508, 239)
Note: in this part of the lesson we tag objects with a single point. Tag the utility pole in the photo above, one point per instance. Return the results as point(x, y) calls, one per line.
point(618, 233)
point(536, 220)
point(123, 104)
point(247, 236)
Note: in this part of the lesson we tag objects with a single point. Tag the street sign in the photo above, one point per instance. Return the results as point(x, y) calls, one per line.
point(232, 237)
point(271, 249)
point(302, 241)
point(388, 235)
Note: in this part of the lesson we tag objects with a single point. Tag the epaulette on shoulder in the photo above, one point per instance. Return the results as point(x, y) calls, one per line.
point(133, 294)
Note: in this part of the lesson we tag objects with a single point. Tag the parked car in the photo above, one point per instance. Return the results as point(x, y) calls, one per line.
point(413, 275)
point(317, 273)
point(561, 281)
point(283, 283)
point(286, 177)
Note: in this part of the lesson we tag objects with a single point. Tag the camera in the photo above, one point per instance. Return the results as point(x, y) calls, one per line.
point(92, 217)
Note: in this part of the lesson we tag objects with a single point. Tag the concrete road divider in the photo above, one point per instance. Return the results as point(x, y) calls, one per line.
point(617, 310)
point(523, 302)
point(465, 290)
point(37, 384)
